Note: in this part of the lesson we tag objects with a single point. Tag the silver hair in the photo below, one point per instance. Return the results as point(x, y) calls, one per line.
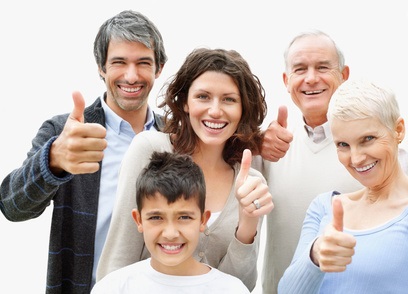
point(360, 99)
point(316, 33)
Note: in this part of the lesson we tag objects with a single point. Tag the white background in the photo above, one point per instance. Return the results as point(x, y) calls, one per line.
point(46, 53)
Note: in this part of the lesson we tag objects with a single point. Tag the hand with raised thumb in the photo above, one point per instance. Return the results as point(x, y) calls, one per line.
point(251, 192)
point(79, 147)
point(254, 200)
point(333, 250)
point(277, 138)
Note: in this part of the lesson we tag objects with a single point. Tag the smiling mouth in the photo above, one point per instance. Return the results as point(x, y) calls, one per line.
point(130, 90)
point(213, 125)
point(366, 168)
point(171, 247)
point(313, 92)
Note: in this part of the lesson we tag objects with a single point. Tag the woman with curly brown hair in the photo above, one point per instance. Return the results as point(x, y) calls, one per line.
point(214, 107)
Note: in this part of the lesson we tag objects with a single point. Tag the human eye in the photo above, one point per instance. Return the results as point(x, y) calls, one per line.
point(154, 218)
point(299, 70)
point(118, 62)
point(323, 68)
point(230, 99)
point(145, 63)
point(202, 96)
point(368, 138)
point(185, 217)
point(342, 145)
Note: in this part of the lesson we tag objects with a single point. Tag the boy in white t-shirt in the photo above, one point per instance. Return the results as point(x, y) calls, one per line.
point(171, 215)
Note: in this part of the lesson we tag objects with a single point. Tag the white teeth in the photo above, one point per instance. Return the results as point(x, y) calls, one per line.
point(214, 125)
point(365, 168)
point(313, 92)
point(130, 90)
point(171, 247)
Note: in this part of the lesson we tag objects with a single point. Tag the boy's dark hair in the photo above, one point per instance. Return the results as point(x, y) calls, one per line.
point(173, 176)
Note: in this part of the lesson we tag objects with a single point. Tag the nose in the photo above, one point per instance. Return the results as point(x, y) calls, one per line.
point(311, 76)
point(170, 231)
point(215, 108)
point(131, 74)
point(357, 156)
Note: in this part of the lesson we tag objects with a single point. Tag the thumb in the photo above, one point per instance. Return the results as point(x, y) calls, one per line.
point(283, 116)
point(244, 169)
point(79, 106)
point(338, 213)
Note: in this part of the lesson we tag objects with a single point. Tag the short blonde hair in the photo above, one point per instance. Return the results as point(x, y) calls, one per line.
point(359, 99)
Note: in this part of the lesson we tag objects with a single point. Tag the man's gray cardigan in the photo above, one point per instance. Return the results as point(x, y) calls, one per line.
point(27, 191)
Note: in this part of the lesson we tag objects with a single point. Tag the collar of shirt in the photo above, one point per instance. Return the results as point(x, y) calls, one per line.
point(319, 133)
point(119, 125)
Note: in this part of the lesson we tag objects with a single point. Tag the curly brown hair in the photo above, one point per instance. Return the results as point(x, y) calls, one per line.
point(248, 134)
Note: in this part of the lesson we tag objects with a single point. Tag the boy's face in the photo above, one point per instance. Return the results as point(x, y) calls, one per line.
point(171, 232)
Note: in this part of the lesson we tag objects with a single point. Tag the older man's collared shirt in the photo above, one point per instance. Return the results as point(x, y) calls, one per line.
point(319, 133)
point(119, 134)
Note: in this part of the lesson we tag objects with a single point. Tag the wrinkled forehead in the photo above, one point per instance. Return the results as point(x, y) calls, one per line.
point(318, 49)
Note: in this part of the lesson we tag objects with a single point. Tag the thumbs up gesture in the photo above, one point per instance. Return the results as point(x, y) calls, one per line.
point(254, 200)
point(253, 195)
point(333, 250)
point(276, 137)
point(79, 148)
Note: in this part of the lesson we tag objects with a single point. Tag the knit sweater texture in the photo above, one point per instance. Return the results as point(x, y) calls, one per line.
point(27, 191)
point(307, 170)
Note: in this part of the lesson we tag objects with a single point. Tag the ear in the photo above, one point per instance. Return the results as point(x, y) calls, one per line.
point(185, 107)
point(138, 219)
point(101, 72)
point(285, 78)
point(158, 73)
point(400, 129)
point(204, 219)
point(345, 73)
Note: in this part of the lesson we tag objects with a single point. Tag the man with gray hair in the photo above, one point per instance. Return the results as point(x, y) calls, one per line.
point(301, 155)
point(315, 67)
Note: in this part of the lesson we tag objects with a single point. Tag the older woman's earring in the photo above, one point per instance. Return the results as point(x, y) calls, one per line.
point(400, 141)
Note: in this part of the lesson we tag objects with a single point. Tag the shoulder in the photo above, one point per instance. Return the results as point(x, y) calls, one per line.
point(151, 140)
point(323, 201)
point(153, 136)
point(122, 279)
point(55, 124)
point(142, 146)
point(326, 196)
point(228, 282)
point(116, 279)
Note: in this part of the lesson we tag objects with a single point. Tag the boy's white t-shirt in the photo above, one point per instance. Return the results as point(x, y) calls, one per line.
point(141, 278)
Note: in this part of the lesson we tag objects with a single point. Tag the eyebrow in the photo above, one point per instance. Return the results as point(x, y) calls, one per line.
point(153, 212)
point(181, 212)
point(139, 59)
point(302, 63)
point(209, 92)
point(188, 212)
